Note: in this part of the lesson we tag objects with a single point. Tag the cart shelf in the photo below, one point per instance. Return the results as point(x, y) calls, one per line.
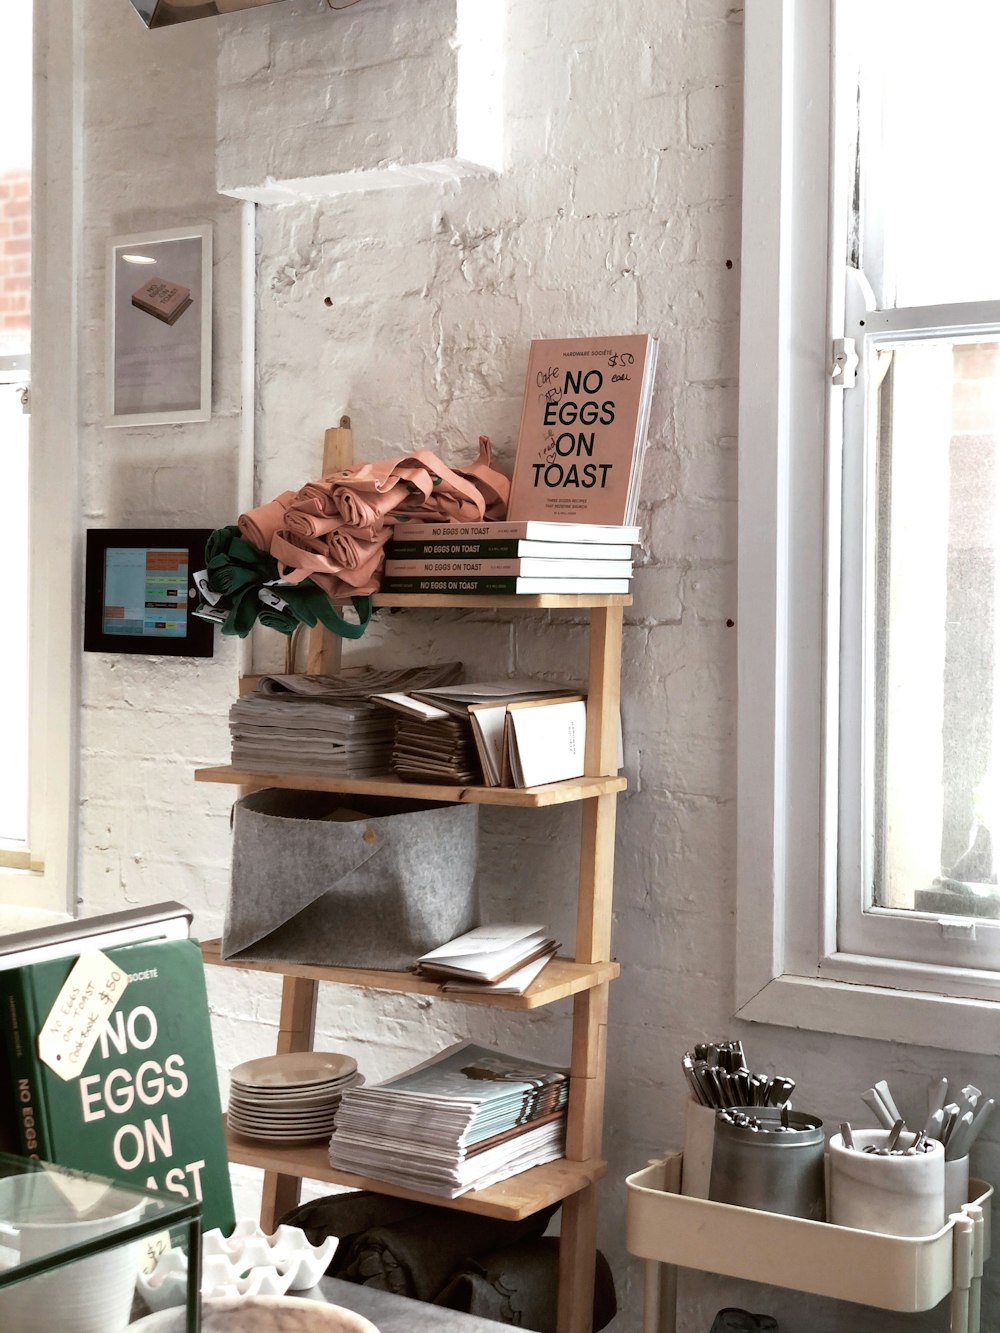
point(887, 1272)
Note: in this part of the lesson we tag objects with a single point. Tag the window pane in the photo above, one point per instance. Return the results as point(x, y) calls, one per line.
point(937, 629)
point(15, 332)
point(930, 184)
point(14, 658)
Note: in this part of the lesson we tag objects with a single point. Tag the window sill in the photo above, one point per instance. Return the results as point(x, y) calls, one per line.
point(881, 1012)
point(32, 895)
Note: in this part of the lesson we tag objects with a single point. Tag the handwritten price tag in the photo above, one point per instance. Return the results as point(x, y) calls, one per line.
point(83, 1006)
point(152, 1251)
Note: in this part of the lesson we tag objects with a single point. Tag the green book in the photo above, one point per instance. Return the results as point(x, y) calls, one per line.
point(502, 585)
point(506, 547)
point(143, 1107)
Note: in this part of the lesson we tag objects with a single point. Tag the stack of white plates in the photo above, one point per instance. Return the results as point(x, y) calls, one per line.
point(290, 1098)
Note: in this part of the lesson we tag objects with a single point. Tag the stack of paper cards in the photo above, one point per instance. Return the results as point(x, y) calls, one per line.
point(503, 959)
point(436, 750)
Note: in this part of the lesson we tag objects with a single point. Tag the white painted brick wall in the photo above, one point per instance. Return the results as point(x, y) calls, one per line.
point(307, 92)
point(618, 210)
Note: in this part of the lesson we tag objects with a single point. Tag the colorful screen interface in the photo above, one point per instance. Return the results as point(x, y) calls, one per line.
point(145, 591)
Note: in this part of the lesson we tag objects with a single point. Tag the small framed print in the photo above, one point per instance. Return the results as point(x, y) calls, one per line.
point(140, 595)
point(159, 349)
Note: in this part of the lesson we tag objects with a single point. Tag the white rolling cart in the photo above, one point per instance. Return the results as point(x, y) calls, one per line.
point(670, 1231)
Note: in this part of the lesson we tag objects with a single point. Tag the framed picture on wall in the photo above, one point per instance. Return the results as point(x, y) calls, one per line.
point(159, 346)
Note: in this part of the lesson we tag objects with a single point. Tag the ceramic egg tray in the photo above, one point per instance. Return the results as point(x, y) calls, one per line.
point(247, 1263)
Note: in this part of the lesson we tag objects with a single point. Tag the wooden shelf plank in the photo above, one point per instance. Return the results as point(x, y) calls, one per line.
point(512, 1199)
point(518, 602)
point(560, 978)
point(555, 793)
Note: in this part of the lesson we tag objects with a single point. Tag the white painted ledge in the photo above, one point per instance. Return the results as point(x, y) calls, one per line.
point(305, 189)
point(316, 105)
point(883, 1013)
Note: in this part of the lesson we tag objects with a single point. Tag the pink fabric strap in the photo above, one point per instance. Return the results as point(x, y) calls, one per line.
point(333, 530)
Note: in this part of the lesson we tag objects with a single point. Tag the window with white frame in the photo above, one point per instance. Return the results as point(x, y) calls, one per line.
point(38, 738)
point(869, 765)
point(920, 617)
point(15, 348)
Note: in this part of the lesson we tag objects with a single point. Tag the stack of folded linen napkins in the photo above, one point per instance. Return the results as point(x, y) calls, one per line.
point(322, 724)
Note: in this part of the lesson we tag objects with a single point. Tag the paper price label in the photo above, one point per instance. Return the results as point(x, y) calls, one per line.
point(152, 1249)
point(83, 1006)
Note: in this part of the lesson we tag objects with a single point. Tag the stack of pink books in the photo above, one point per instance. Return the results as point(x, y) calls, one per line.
point(163, 300)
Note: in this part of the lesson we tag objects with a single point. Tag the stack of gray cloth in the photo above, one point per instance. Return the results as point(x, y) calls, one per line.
point(324, 724)
point(505, 1271)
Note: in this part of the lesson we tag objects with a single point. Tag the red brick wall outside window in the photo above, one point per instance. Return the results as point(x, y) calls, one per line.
point(15, 257)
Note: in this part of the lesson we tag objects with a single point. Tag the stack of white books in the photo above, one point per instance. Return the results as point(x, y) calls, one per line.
point(322, 724)
point(502, 959)
point(502, 558)
point(463, 1120)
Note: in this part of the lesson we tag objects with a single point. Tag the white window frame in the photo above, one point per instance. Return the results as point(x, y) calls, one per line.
point(54, 594)
point(789, 971)
point(961, 950)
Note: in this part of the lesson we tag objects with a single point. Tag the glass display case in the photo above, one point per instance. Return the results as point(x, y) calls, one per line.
point(72, 1246)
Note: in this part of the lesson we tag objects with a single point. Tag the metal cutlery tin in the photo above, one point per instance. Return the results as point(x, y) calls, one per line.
point(775, 1167)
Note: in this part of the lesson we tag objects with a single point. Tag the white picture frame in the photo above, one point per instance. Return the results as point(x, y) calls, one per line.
point(159, 328)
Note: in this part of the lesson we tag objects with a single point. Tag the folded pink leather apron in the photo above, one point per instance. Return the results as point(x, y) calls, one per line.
point(333, 530)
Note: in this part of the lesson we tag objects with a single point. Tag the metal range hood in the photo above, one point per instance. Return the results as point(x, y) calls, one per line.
point(161, 13)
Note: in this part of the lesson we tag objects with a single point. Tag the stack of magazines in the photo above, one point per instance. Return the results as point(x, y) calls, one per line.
point(465, 1119)
point(436, 750)
point(323, 724)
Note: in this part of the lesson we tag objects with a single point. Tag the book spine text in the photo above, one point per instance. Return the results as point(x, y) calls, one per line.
point(18, 1029)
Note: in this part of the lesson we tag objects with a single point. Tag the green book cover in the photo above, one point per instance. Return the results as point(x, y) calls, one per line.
point(507, 547)
point(144, 1107)
point(500, 585)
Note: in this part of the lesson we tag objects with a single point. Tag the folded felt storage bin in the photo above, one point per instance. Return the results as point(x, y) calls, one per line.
point(349, 881)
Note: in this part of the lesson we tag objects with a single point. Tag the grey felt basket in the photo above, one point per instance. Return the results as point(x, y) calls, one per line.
point(374, 891)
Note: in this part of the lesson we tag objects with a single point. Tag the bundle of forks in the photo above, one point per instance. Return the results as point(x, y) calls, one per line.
point(719, 1076)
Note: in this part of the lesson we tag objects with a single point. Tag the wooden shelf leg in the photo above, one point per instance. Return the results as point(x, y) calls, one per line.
point(295, 1033)
point(577, 1248)
point(578, 1235)
point(298, 995)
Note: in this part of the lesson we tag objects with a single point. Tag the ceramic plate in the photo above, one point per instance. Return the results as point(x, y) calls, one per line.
point(295, 1089)
point(263, 1127)
point(317, 1092)
point(259, 1314)
point(283, 1135)
point(295, 1069)
point(280, 1121)
point(281, 1117)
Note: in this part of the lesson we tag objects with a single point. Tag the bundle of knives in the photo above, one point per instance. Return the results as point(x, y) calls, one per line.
point(956, 1123)
point(719, 1076)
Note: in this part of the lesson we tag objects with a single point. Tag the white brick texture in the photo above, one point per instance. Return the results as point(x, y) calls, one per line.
point(411, 309)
